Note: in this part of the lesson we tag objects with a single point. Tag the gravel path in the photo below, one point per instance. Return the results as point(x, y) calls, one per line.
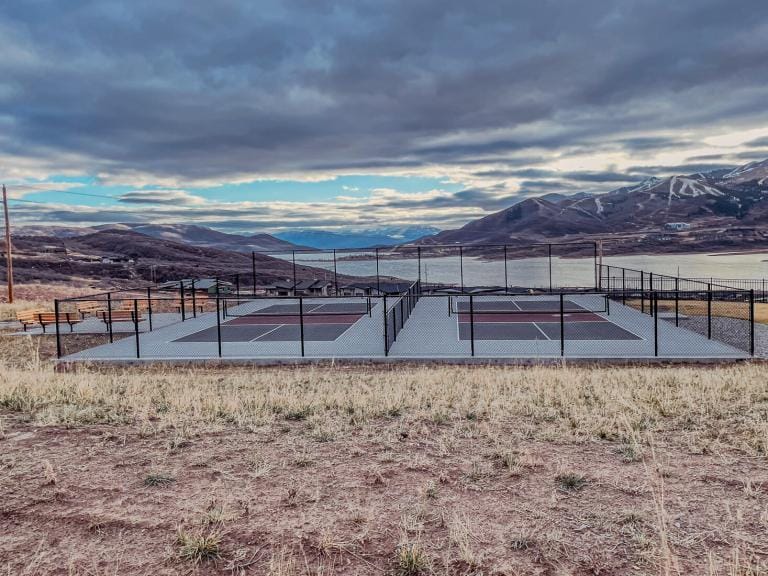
point(731, 331)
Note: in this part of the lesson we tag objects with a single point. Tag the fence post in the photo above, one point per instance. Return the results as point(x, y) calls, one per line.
point(650, 281)
point(562, 325)
point(709, 311)
point(335, 275)
point(655, 306)
point(149, 307)
point(194, 300)
point(253, 270)
point(418, 257)
point(293, 259)
point(506, 271)
point(237, 287)
point(472, 323)
point(218, 320)
point(623, 287)
point(109, 315)
point(752, 322)
point(182, 304)
point(549, 259)
point(461, 267)
point(677, 301)
point(386, 334)
point(136, 326)
point(58, 333)
point(594, 268)
point(301, 324)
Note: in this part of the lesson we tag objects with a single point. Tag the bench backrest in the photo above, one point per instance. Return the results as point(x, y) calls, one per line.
point(27, 316)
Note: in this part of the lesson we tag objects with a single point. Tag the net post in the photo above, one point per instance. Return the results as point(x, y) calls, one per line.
point(301, 324)
point(109, 316)
point(194, 300)
point(218, 320)
point(472, 323)
point(461, 267)
point(149, 307)
point(607, 304)
point(752, 322)
point(182, 304)
point(709, 311)
point(562, 325)
point(253, 270)
point(655, 324)
point(506, 271)
point(136, 326)
point(58, 331)
point(386, 322)
point(335, 275)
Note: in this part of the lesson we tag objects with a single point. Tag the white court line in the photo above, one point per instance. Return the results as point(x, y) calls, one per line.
point(268, 332)
point(542, 331)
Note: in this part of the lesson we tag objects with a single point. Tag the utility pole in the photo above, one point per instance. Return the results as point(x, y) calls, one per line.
point(8, 255)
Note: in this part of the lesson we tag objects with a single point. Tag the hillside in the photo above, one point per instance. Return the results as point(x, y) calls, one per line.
point(721, 202)
point(137, 256)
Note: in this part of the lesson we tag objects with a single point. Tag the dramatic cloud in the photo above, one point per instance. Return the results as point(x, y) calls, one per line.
point(504, 98)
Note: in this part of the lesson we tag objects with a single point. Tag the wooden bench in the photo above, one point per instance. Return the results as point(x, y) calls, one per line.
point(91, 308)
point(43, 319)
point(29, 318)
point(118, 316)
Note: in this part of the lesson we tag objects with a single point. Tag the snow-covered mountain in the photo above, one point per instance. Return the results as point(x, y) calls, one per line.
point(723, 197)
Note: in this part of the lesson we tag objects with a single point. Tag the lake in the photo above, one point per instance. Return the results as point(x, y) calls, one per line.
point(534, 272)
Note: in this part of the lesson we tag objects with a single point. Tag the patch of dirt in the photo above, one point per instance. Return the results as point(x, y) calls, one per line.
point(471, 497)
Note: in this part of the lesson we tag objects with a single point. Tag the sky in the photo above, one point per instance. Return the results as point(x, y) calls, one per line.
point(265, 116)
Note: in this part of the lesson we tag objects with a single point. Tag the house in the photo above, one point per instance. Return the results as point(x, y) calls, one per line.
point(301, 288)
point(677, 226)
point(374, 288)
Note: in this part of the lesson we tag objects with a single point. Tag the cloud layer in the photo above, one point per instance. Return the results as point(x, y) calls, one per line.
point(506, 98)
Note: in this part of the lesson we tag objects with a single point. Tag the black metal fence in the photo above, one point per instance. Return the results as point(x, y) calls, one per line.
point(714, 309)
point(638, 318)
point(508, 267)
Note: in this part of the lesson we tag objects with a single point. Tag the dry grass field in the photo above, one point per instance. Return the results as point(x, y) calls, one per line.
point(335, 470)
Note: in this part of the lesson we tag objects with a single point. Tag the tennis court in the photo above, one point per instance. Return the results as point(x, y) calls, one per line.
point(535, 319)
point(284, 322)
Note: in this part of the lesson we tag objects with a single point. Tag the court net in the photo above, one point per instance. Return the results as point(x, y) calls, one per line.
point(299, 307)
point(526, 305)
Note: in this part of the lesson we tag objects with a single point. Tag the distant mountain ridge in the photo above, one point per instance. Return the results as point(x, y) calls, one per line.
point(735, 197)
point(387, 236)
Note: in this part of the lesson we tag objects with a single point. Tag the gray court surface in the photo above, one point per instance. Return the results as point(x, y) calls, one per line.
point(345, 329)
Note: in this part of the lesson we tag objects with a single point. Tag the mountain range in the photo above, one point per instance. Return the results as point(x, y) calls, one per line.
point(725, 206)
point(720, 199)
point(386, 236)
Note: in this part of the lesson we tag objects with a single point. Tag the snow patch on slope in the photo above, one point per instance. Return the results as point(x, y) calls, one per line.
point(680, 187)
